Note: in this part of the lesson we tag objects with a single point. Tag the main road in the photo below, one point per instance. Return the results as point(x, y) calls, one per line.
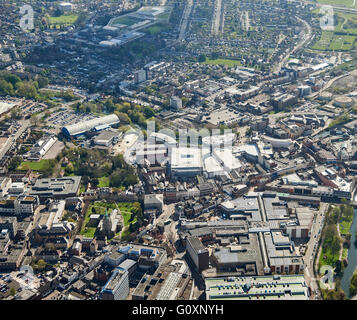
point(216, 21)
point(304, 40)
point(24, 125)
point(312, 248)
point(185, 19)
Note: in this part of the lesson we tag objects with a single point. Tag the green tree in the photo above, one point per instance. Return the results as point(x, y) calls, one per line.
point(12, 291)
point(202, 58)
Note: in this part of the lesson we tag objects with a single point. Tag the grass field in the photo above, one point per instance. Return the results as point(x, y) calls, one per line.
point(34, 165)
point(340, 3)
point(327, 258)
point(126, 20)
point(100, 208)
point(343, 37)
point(64, 19)
point(331, 41)
point(157, 29)
point(224, 62)
point(126, 211)
point(103, 182)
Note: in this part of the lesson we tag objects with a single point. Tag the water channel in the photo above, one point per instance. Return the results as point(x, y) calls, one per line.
point(352, 257)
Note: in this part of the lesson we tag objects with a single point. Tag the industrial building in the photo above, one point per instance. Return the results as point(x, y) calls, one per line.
point(283, 287)
point(106, 138)
point(41, 147)
point(58, 188)
point(96, 124)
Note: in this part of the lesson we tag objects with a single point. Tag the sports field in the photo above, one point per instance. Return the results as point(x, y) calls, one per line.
point(125, 20)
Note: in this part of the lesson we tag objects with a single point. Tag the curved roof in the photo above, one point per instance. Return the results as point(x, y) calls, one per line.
point(79, 128)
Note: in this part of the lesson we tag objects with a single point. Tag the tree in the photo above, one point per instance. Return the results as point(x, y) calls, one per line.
point(6, 88)
point(130, 180)
point(95, 182)
point(12, 291)
point(14, 163)
point(148, 112)
point(15, 113)
point(248, 132)
point(202, 58)
point(123, 117)
point(338, 267)
point(42, 81)
point(214, 55)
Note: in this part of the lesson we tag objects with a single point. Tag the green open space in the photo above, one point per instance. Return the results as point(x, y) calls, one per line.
point(158, 28)
point(65, 19)
point(100, 207)
point(41, 165)
point(340, 3)
point(127, 209)
point(126, 20)
point(342, 38)
point(345, 226)
point(103, 182)
point(223, 62)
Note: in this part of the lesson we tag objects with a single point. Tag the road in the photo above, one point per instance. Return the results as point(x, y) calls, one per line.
point(312, 248)
point(328, 84)
point(216, 22)
point(185, 19)
point(24, 125)
point(304, 40)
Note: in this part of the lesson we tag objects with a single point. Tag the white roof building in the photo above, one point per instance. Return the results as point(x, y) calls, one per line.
point(186, 161)
point(84, 126)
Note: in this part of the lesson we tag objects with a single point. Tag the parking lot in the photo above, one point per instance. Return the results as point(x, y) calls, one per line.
point(67, 117)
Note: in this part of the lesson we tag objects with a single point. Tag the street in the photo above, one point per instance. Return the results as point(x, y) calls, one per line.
point(312, 248)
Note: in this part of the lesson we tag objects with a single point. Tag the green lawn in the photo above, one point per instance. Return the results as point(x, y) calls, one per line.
point(66, 19)
point(126, 20)
point(164, 15)
point(342, 42)
point(345, 227)
point(344, 253)
point(126, 209)
point(34, 165)
point(103, 182)
point(100, 208)
point(224, 62)
point(157, 29)
point(324, 42)
point(327, 258)
point(341, 3)
point(88, 232)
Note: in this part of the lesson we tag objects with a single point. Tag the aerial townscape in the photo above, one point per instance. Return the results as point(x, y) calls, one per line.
point(178, 150)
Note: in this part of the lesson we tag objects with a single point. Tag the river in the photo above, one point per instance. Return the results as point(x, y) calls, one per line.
point(352, 257)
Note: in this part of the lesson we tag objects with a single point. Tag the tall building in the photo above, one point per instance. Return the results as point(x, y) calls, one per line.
point(140, 76)
point(176, 103)
point(65, 7)
point(117, 287)
point(198, 253)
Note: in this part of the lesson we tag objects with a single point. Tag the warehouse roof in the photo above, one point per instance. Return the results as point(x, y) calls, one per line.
point(84, 126)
